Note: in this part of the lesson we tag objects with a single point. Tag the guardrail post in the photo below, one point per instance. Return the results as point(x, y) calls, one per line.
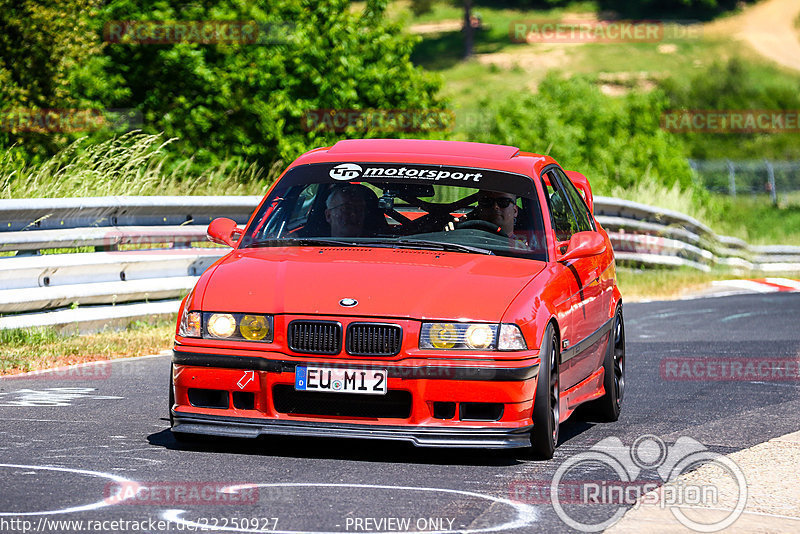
point(731, 178)
point(771, 175)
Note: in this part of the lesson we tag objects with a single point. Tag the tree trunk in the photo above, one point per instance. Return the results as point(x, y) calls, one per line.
point(469, 31)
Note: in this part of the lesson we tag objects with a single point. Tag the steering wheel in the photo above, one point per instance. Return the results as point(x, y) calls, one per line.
point(479, 224)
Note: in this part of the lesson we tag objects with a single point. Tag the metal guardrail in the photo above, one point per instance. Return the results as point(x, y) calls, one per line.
point(111, 286)
point(647, 235)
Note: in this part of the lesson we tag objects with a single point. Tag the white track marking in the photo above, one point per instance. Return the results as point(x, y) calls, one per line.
point(526, 514)
point(750, 285)
point(52, 397)
point(84, 508)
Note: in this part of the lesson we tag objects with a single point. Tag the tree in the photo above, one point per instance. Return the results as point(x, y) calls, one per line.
point(249, 100)
point(50, 58)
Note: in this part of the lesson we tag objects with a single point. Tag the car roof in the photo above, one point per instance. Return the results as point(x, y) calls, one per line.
point(435, 152)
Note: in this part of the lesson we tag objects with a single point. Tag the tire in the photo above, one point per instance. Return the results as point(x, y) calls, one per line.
point(608, 407)
point(544, 436)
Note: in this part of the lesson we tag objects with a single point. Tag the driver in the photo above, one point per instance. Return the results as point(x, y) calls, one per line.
point(347, 210)
point(498, 208)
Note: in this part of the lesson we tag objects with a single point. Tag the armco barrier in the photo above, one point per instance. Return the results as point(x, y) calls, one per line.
point(111, 286)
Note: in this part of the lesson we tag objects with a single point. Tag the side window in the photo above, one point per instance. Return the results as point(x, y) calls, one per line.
point(578, 205)
point(561, 216)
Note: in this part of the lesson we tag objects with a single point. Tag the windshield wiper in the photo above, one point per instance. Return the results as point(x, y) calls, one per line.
point(439, 245)
point(313, 241)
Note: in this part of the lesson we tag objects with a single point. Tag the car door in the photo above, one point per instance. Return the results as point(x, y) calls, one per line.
point(585, 295)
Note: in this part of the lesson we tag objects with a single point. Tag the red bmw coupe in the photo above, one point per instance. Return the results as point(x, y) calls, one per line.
point(443, 293)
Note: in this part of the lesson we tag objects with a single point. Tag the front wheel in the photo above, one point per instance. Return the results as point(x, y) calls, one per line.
point(544, 436)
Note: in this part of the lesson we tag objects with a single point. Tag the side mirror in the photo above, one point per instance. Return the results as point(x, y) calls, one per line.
point(224, 232)
point(584, 245)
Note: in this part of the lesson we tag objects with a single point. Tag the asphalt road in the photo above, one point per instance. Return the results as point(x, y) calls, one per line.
point(69, 444)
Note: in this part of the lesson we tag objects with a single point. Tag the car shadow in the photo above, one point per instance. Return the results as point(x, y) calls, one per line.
point(358, 449)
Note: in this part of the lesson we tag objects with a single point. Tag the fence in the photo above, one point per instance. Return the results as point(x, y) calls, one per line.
point(768, 178)
point(111, 286)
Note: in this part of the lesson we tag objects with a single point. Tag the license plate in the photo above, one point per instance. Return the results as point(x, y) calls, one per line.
point(364, 381)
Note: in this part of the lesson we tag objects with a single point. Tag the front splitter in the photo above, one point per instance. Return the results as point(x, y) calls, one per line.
point(445, 437)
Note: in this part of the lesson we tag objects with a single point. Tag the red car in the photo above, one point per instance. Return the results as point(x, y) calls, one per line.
point(443, 293)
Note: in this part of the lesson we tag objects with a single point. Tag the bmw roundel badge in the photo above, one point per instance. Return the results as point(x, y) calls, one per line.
point(348, 302)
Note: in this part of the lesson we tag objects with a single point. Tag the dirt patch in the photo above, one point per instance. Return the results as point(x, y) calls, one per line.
point(768, 27)
point(535, 59)
point(620, 83)
point(436, 27)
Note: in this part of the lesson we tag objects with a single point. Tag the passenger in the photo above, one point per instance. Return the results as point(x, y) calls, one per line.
point(347, 210)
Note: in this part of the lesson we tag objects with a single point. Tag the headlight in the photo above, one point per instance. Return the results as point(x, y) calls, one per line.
point(238, 326)
point(480, 336)
point(254, 327)
point(461, 336)
point(221, 325)
point(471, 336)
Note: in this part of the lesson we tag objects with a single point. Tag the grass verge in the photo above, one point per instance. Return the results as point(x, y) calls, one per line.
point(28, 349)
point(668, 284)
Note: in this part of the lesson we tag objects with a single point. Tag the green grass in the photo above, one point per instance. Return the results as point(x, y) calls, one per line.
point(31, 349)
point(751, 218)
point(757, 221)
point(133, 164)
point(665, 284)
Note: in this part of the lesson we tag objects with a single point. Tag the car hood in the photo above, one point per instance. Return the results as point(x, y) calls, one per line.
point(404, 283)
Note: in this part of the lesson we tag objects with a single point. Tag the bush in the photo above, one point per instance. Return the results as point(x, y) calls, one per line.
point(615, 142)
point(737, 85)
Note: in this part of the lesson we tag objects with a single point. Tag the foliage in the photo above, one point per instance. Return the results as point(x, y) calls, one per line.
point(616, 142)
point(49, 59)
point(737, 85)
point(133, 164)
point(248, 100)
point(240, 101)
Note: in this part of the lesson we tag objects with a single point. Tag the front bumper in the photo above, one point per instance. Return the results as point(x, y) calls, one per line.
point(240, 427)
point(508, 387)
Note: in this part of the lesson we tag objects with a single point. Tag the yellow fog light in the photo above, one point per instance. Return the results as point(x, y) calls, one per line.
point(221, 325)
point(254, 327)
point(443, 335)
point(479, 336)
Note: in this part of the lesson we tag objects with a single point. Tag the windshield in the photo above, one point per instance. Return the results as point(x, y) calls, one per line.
point(474, 211)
